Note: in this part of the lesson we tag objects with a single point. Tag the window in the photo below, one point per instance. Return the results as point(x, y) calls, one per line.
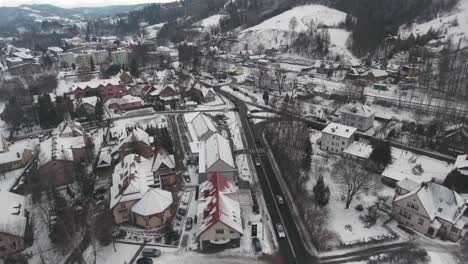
point(122, 205)
point(231, 231)
point(220, 231)
point(420, 221)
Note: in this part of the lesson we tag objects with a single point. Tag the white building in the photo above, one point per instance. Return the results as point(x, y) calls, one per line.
point(215, 155)
point(119, 57)
point(357, 115)
point(100, 56)
point(358, 150)
point(54, 50)
point(13, 223)
point(337, 137)
point(66, 59)
point(83, 60)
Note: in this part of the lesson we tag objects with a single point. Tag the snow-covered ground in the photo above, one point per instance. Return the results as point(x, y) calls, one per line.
point(453, 25)
point(153, 30)
point(209, 22)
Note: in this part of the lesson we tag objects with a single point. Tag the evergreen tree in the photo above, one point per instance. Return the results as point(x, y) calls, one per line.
point(165, 140)
point(307, 158)
point(99, 110)
point(266, 97)
point(381, 154)
point(134, 71)
point(85, 182)
point(113, 70)
point(91, 65)
point(321, 192)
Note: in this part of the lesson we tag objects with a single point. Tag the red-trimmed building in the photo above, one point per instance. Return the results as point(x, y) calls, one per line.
point(106, 89)
point(219, 213)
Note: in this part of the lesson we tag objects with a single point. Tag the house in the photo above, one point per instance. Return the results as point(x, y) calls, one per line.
point(125, 77)
point(85, 106)
point(165, 93)
point(357, 115)
point(461, 164)
point(200, 126)
point(337, 137)
point(11, 160)
point(376, 75)
point(125, 102)
point(59, 154)
point(135, 141)
point(105, 158)
point(358, 150)
point(409, 71)
point(218, 213)
point(133, 200)
point(453, 139)
point(200, 93)
point(106, 89)
point(164, 168)
point(215, 155)
point(13, 223)
point(429, 208)
point(120, 57)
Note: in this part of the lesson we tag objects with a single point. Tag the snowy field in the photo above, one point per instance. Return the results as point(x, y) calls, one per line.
point(153, 30)
point(209, 22)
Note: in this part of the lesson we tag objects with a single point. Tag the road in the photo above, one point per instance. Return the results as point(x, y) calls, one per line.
point(291, 247)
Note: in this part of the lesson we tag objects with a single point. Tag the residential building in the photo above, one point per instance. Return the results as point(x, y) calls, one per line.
point(119, 57)
point(66, 59)
point(14, 160)
point(13, 223)
point(59, 154)
point(200, 93)
point(453, 139)
point(165, 93)
point(85, 106)
point(357, 115)
point(106, 89)
point(125, 102)
point(337, 137)
point(132, 198)
point(164, 168)
point(358, 150)
point(54, 50)
point(101, 56)
point(215, 155)
point(83, 60)
point(429, 208)
point(376, 75)
point(218, 213)
point(13, 61)
point(135, 141)
point(200, 126)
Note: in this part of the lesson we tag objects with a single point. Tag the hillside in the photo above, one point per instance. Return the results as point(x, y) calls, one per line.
point(275, 32)
point(453, 24)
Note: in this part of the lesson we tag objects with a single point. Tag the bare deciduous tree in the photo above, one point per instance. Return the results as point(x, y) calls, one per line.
point(352, 179)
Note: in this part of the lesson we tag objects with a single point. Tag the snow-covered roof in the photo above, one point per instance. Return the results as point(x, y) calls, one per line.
point(378, 73)
point(439, 201)
point(12, 218)
point(105, 158)
point(154, 201)
point(202, 125)
point(408, 185)
point(163, 157)
point(95, 83)
point(206, 91)
point(91, 100)
point(11, 156)
point(59, 148)
point(339, 130)
point(133, 135)
point(218, 205)
point(126, 99)
point(461, 164)
point(68, 127)
point(359, 149)
point(357, 109)
point(130, 179)
point(55, 49)
point(215, 148)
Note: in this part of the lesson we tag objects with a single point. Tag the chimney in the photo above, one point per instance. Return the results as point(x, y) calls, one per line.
point(18, 155)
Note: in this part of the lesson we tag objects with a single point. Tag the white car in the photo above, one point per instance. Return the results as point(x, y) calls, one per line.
point(280, 230)
point(280, 199)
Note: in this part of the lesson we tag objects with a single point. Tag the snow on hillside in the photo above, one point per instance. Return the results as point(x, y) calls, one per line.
point(275, 32)
point(304, 14)
point(209, 22)
point(152, 31)
point(453, 24)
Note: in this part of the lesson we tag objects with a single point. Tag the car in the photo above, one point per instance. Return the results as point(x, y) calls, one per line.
point(151, 252)
point(256, 244)
point(280, 230)
point(280, 199)
point(189, 223)
point(257, 162)
point(144, 260)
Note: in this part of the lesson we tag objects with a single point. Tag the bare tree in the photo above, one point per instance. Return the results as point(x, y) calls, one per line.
point(352, 179)
point(293, 24)
point(280, 76)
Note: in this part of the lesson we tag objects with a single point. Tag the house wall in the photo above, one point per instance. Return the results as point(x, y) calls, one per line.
point(121, 211)
point(362, 123)
point(400, 208)
point(10, 244)
point(335, 144)
point(227, 233)
point(210, 97)
point(154, 221)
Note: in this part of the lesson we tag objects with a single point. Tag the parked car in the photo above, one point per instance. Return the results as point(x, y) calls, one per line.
point(280, 230)
point(280, 199)
point(144, 260)
point(256, 244)
point(151, 252)
point(189, 223)
point(257, 162)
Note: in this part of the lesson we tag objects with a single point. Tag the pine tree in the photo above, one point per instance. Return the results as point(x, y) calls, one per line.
point(321, 192)
point(307, 159)
point(134, 71)
point(91, 65)
point(99, 110)
point(265, 97)
point(381, 154)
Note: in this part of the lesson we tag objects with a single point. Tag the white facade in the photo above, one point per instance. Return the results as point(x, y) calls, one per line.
point(83, 60)
point(119, 57)
point(66, 59)
point(101, 56)
point(337, 137)
point(357, 115)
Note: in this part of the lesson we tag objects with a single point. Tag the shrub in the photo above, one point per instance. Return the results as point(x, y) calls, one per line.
point(359, 208)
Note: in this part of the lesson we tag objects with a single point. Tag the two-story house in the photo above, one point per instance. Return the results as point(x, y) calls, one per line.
point(13, 223)
point(164, 168)
point(337, 137)
point(429, 208)
point(357, 115)
point(135, 141)
point(219, 213)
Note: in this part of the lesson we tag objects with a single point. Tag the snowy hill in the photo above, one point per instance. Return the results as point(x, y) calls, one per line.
point(275, 32)
point(207, 23)
point(453, 25)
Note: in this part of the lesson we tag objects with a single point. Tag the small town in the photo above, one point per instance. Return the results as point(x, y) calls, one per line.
point(219, 131)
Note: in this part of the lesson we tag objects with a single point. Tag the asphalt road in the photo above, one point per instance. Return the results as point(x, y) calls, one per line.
point(291, 247)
